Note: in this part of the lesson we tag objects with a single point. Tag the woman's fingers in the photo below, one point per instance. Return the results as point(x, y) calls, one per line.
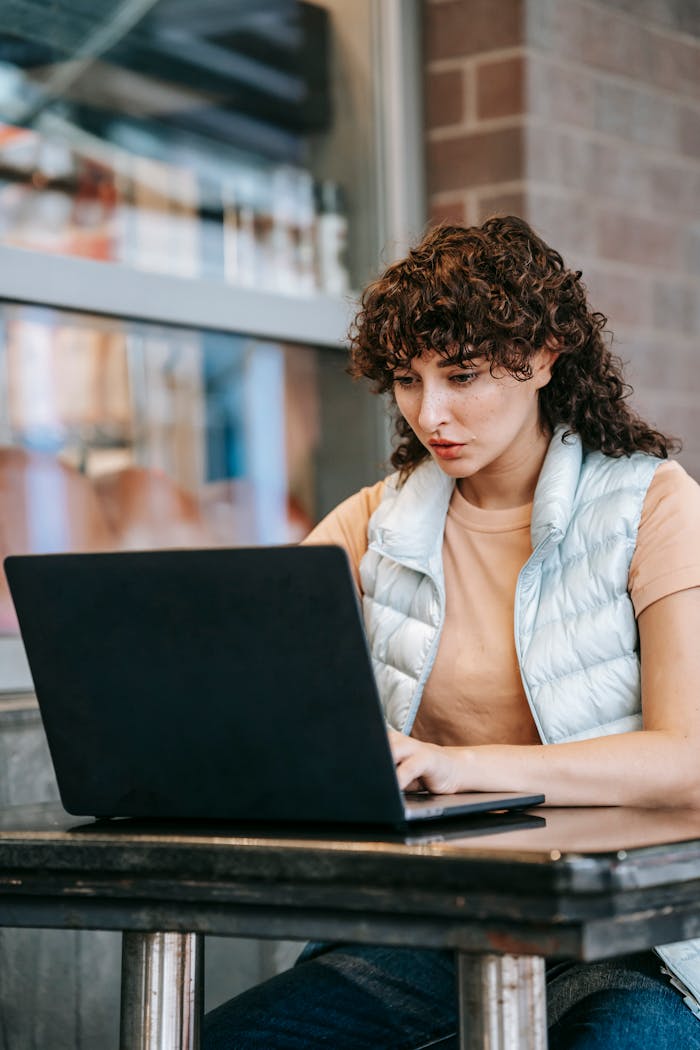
point(420, 765)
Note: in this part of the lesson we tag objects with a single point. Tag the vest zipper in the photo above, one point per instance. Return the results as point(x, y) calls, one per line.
point(428, 666)
point(518, 649)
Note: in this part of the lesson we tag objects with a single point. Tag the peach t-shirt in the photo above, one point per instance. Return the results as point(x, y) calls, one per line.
point(474, 694)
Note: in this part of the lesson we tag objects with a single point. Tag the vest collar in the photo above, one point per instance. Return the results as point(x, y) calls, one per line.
point(422, 501)
point(556, 489)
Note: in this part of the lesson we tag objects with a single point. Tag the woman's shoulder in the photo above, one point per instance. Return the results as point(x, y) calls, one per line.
point(672, 482)
point(346, 525)
point(354, 512)
point(667, 554)
point(671, 510)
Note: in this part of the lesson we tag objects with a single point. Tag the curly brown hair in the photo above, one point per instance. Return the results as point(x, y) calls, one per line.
point(498, 291)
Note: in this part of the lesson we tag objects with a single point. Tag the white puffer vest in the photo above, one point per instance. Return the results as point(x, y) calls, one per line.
point(575, 629)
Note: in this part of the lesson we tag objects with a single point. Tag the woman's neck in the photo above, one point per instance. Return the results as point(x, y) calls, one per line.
point(511, 480)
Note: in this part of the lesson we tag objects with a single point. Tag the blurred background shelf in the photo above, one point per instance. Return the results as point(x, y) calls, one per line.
point(70, 283)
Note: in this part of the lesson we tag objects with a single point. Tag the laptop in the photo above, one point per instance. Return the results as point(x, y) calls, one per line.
point(225, 684)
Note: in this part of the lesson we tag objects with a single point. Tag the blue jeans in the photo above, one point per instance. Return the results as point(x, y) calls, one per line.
point(351, 997)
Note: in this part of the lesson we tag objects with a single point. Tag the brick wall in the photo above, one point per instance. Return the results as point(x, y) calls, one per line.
point(475, 105)
point(584, 116)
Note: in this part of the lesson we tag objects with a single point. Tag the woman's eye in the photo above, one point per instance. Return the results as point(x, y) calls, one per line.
point(403, 380)
point(462, 378)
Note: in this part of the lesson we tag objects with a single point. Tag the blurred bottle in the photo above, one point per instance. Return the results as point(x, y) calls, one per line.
point(126, 213)
point(92, 218)
point(244, 254)
point(264, 225)
point(331, 238)
point(150, 249)
point(305, 232)
point(212, 248)
point(284, 235)
point(52, 180)
point(239, 231)
point(185, 231)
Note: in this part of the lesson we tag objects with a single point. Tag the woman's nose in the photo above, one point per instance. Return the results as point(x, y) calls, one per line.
point(433, 410)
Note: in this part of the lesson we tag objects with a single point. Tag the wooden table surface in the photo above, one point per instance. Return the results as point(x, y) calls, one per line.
point(587, 883)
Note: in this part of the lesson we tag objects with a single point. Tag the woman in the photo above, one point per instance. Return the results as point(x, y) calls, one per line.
point(529, 575)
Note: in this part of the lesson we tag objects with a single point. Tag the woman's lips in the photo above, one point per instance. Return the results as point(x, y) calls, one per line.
point(446, 449)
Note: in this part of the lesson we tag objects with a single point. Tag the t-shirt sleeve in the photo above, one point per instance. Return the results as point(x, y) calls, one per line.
point(666, 558)
point(346, 526)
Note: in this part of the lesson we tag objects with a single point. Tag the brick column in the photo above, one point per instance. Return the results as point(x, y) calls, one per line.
point(584, 116)
point(475, 107)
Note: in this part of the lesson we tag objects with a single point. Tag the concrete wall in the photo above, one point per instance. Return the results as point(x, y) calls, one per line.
point(584, 117)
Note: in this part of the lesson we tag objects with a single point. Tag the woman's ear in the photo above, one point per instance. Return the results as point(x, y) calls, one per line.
point(544, 360)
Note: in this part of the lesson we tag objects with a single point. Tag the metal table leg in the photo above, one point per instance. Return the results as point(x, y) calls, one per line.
point(502, 1002)
point(162, 991)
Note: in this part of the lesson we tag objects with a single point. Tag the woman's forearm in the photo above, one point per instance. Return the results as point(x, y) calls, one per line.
point(645, 768)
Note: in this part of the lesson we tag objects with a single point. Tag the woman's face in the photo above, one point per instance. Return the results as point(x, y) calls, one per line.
point(470, 421)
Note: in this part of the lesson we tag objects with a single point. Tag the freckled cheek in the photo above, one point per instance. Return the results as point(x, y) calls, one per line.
point(476, 410)
point(488, 404)
point(407, 406)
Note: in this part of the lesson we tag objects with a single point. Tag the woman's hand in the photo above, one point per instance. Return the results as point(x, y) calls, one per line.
point(420, 765)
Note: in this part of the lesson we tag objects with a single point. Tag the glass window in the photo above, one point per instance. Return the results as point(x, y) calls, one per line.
point(119, 435)
point(220, 139)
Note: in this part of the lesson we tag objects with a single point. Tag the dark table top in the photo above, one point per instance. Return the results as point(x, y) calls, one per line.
point(584, 882)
